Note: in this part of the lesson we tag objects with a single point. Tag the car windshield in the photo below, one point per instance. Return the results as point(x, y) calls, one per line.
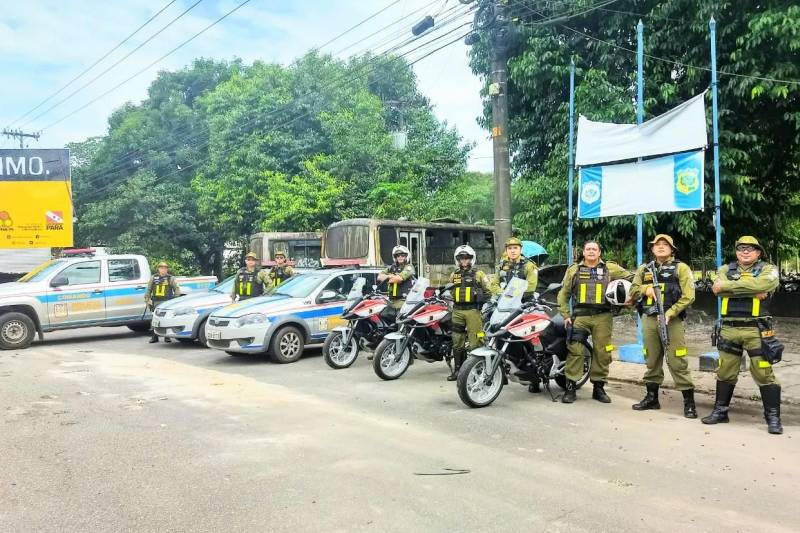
point(226, 286)
point(42, 271)
point(299, 286)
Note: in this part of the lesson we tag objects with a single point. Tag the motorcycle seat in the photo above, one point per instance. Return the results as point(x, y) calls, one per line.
point(558, 324)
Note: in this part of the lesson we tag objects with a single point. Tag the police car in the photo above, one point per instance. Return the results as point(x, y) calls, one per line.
point(84, 288)
point(185, 318)
point(300, 311)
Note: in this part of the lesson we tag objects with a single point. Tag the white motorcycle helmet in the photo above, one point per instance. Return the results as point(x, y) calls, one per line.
point(618, 291)
point(400, 249)
point(464, 249)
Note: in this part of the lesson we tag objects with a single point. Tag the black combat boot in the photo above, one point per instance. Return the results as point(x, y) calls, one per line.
point(650, 400)
point(153, 338)
point(599, 393)
point(720, 413)
point(458, 360)
point(689, 409)
point(569, 394)
point(771, 398)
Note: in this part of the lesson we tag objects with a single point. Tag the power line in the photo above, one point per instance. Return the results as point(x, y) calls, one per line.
point(200, 135)
point(295, 119)
point(117, 86)
point(359, 24)
point(123, 58)
point(90, 67)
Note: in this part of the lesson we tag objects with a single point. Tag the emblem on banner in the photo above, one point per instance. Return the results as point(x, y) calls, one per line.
point(687, 181)
point(590, 192)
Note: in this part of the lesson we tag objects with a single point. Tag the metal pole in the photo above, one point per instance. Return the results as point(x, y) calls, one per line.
point(570, 156)
point(712, 25)
point(639, 120)
point(502, 175)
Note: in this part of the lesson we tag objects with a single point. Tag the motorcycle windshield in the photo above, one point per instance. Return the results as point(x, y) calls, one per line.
point(510, 300)
point(415, 295)
point(357, 291)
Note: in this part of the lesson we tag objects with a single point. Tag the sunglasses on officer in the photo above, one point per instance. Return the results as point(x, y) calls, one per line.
point(747, 248)
point(401, 255)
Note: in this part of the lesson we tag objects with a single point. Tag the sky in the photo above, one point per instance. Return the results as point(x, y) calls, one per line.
point(46, 43)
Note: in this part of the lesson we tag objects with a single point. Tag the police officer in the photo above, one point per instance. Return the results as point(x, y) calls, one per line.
point(281, 271)
point(160, 288)
point(250, 280)
point(514, 265)
point(745, 286)
point(470, 289)
point(585, 284)
point(399, 276)
point(676, 281)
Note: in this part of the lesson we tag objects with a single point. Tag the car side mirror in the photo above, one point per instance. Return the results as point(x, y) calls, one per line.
point(327, 296)
point(59, 281)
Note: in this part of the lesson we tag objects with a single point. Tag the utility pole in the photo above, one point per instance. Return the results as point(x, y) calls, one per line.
point(498, 91)
point(21, 135)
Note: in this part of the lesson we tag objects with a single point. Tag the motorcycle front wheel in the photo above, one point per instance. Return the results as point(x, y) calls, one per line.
point(336, 354)
point(387, 364)
point(472, 387)
point(561, 380)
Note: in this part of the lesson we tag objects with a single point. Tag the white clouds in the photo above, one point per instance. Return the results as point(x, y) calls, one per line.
point(43, 44)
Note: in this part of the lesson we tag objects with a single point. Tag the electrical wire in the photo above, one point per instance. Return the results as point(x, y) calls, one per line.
point(123, 58)
point(90, 67)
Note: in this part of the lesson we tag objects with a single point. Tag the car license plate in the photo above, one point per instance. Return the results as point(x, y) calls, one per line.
point(155, 322)
point(214, 335)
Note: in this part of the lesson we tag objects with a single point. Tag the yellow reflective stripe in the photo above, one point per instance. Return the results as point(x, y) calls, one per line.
point(764, 364)
point(598, 294)
point(458, 294)
point(582, 298)
point(609, 347)
point(468, 297)
point(161, 290)
point(756, 306)
point(680, 352)
point(394, 289)
point(724, 308)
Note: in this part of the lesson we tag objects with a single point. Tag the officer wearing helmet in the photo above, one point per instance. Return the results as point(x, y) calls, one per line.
point(676, 281)
point(162, 286)
point(250, 280)
point(470, 288)
point(745, 287)
point(399, 276)
point(585, 286)
point(281, 271)
point(514, 265)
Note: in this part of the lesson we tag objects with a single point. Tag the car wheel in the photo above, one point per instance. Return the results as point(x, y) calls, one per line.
point(201, 334)
point(139, 327)
point(16, 331)
point(287, 345)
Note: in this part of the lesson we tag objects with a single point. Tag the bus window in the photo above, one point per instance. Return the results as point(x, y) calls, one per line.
point(440, 245)
point(387, 239)
point(256, 246)
point(483, 244)
point(305, 253)
point(347, 242)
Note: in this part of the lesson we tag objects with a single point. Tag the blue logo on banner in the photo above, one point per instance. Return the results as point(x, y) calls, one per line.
point(591, 192)
point(688, 179)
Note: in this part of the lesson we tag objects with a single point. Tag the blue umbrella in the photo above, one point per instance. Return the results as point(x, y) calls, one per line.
point(532, 249)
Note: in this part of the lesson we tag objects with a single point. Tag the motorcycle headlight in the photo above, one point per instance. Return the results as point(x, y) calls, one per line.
point(180, 311)
point(247, 320)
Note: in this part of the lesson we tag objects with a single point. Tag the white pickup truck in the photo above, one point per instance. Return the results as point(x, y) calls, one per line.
point(80, 292)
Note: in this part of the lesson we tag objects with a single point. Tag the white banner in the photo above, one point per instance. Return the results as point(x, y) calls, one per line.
point(672, 183)
point(680, 129)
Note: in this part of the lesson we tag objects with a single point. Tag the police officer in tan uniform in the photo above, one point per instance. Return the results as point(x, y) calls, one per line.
point(161, 287)
point(250, 280)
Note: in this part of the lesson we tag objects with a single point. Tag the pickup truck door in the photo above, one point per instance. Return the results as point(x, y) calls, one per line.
point(127, 281)
point(81, 299)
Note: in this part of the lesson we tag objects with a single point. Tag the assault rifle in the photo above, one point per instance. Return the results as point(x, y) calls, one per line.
point(663, 332)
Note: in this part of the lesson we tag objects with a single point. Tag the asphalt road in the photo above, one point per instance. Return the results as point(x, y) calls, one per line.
point(104, 432)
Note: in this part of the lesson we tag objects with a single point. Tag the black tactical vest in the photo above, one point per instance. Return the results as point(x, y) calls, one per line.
point(162, 289)
point(589, 287)
point(670, 288)
point(247, 285)
point(747, 306)
point(279, 275)
point(467, 291)
point(397, 291)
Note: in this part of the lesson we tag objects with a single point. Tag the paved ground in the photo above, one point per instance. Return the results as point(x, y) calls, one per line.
point(103, 432)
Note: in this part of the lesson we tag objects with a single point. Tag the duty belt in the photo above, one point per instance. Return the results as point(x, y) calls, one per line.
point(740, 323)
point(589, 312)
point(462, 307)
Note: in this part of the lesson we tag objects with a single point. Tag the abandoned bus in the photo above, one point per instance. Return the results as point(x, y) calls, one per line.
point(369, 242)
point(303, 249)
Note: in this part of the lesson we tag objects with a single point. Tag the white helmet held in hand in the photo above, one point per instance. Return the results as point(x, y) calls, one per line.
point(400, 249)
point(464, 249)
point(618, 291)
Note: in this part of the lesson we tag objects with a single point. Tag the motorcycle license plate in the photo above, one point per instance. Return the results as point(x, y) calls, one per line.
point(214, 335)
